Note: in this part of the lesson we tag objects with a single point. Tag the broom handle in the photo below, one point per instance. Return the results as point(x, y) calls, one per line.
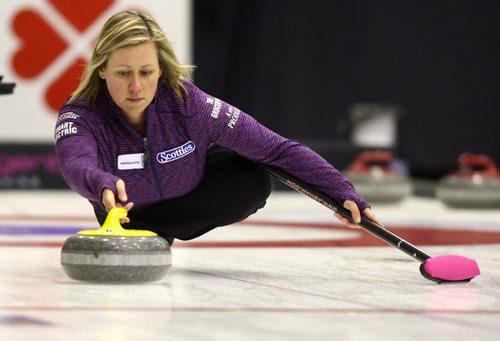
point(368, 225)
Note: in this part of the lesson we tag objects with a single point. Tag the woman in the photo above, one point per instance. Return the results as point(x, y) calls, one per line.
point(137, 133)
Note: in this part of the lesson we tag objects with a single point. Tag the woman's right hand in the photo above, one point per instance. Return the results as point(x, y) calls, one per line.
point(356, 215)
point(110, 200)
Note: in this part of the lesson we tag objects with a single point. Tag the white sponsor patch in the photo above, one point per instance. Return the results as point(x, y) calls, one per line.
point(131, 161)
point(68, 115)
point(176, 153)
point(65, 129)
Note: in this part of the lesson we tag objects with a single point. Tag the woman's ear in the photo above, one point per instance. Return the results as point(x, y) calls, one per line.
point(101, 74)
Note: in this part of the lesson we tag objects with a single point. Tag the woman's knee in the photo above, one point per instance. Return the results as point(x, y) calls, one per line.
point(253, 181)
point(240, 175)
point(261, 184)
point(252, 191)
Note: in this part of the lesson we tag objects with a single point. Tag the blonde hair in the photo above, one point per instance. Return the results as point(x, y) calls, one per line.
point(125, 29)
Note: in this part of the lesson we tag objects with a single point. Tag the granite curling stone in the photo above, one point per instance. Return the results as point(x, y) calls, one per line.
point(475, 184)
point(377, 179)
point(114, 254)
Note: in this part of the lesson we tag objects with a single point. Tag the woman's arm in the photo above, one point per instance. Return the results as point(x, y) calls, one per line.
point(76, 153)
point(231, 128)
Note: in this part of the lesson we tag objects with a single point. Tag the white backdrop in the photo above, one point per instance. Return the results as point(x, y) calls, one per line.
point(26, 116)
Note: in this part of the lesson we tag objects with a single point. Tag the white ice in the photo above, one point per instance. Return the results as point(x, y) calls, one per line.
point(253, 293)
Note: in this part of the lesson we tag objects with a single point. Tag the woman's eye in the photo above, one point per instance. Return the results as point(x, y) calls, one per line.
point(146, 73)
point(123, 73)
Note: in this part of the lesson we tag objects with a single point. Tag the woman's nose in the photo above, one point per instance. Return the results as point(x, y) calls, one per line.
point(135, 84)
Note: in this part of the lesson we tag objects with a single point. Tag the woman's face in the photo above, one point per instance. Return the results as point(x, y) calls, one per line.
point(131, 75)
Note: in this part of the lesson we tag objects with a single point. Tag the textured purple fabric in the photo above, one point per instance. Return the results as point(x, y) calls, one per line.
point(178, 135)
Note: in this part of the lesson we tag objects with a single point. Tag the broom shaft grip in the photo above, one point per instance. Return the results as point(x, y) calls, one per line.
point(368, 225)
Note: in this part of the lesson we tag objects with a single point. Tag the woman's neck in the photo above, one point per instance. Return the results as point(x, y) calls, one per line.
point(138, 122)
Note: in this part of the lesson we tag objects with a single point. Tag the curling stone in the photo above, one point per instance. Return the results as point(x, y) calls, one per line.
point(377, 179)
point(114, 254)
point(476, 183)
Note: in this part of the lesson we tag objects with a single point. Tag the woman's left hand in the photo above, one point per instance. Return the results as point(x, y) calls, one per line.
point(356, 215)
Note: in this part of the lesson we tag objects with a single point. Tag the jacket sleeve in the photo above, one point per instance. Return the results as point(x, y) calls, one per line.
point(231, 128)
point(76, 153)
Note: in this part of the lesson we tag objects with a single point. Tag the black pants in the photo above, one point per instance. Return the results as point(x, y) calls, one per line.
point(232, 189)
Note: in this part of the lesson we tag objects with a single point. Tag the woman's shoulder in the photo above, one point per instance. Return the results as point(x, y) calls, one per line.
point(170, 101)
point(187, 89)
point(80, 107)
point(80, 111)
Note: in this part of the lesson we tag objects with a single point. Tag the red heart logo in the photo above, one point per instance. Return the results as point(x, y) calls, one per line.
point(81, 13)
point(65, 84)
point(40, 44)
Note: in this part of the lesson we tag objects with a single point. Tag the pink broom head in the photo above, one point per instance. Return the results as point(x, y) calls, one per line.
point(450, 269)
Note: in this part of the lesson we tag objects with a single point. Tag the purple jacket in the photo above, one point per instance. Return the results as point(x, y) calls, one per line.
point(95, 148)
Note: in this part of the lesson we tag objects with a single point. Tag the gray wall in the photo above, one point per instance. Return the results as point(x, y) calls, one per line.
point(298, 65)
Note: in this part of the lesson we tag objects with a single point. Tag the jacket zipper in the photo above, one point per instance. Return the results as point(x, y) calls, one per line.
point(147, 163)
point(146, 152)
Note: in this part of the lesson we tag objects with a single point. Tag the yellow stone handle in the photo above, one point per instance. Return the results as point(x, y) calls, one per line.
point(112, 226)
point(112, 222)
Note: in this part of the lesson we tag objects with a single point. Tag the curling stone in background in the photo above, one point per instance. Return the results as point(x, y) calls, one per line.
point(476, 183)
point(114, 254)
point(377, 178)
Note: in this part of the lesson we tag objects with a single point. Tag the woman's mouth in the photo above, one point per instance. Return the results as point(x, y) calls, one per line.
point(134, 100)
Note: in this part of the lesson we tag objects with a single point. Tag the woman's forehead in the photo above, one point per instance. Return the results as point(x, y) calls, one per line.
point(136, 55)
